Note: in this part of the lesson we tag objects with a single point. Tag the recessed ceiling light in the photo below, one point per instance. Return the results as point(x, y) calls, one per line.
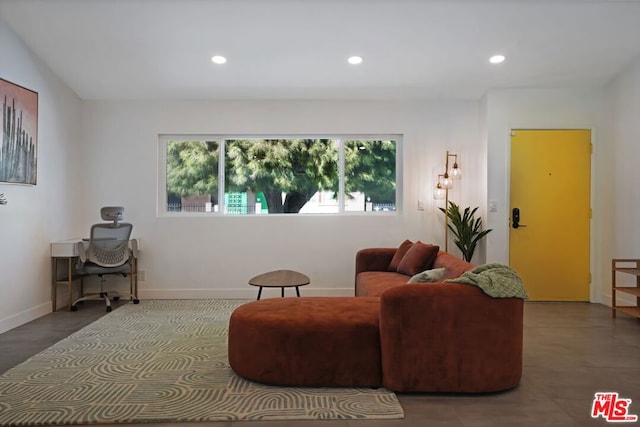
point(218, 59)
point(497, 59)
point(355, 60)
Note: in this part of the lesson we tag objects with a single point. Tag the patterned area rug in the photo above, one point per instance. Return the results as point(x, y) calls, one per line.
point(163, 361)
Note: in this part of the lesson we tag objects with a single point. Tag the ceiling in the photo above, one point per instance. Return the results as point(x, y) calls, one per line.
point(297, 49)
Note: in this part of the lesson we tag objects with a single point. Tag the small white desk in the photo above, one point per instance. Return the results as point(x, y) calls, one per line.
point(65, 248)
point(64, 257)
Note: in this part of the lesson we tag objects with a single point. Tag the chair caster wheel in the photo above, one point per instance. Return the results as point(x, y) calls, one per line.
point(116, 298)
point(74, 308)
point(136, 301)
point(108, 309)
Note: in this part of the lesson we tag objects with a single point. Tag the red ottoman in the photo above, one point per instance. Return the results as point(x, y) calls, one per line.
point(308, 341)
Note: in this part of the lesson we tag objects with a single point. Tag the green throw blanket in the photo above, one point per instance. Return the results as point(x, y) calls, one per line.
point(495, 280)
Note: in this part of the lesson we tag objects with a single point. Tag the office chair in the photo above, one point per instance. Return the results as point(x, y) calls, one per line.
point(109, 250)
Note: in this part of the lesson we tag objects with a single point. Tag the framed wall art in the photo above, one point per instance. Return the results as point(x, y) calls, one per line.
point(19, 144)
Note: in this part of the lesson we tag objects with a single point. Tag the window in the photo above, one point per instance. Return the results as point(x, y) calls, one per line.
point(370, 172)
point(191, 175)
point(283, 175)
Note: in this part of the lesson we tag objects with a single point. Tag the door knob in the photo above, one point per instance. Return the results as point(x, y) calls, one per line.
point(515, 218)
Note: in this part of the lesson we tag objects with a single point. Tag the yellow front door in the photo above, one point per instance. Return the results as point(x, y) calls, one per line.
point(550, 193)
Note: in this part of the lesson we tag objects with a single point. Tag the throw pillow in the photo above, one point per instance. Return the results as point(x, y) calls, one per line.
point(400, 252)
point(428, 276)
point(419, 257)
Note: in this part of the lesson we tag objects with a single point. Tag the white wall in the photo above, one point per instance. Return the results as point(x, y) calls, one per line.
point(549, 109)
point(94, 153)
point(35, 215)
point(624, 116)
point(214, 257)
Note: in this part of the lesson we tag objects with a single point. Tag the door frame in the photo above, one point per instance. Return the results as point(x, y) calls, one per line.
point(592, 266)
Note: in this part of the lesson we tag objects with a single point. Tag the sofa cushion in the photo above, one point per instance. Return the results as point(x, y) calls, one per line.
point(307, 341)
point(428, 276)
point(373, 283)
point(419, 257)
point(400, 253)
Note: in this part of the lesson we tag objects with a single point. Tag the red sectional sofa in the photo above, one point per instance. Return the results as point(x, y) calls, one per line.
point(373, 275)
point(427, 337)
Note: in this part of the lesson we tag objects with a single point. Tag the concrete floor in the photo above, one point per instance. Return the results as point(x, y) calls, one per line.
point(572, 350)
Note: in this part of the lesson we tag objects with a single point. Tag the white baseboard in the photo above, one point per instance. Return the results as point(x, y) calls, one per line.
point(24, 316)
point(621, 299)
point(249, 293)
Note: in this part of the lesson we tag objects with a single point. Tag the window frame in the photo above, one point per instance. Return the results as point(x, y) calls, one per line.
point(164, 139)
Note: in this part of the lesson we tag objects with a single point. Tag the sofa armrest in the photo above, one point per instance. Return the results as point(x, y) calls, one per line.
point(449, 338)
point(374, 259)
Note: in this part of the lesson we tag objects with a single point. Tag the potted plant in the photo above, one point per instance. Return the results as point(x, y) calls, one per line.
point(466, 229)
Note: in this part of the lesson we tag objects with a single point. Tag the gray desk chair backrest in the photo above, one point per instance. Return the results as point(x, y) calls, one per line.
point(108, 249)
point(109, 244)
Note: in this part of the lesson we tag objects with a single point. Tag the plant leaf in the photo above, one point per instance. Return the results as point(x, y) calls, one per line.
point(465, 227)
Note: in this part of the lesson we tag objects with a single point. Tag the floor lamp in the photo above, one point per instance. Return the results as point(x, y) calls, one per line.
point(445, 183)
